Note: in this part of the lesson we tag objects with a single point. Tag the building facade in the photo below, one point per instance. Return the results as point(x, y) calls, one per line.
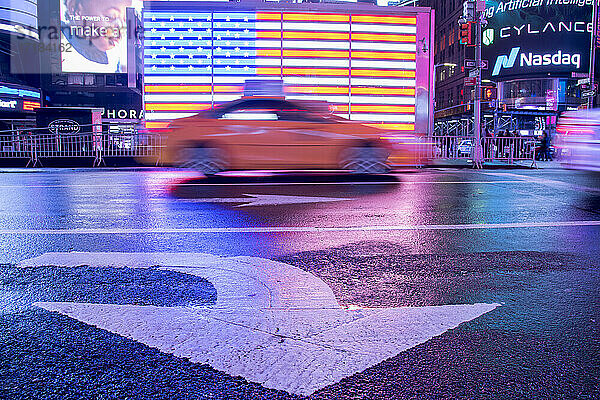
point(90, 62)
point(20, 91)
point(538, 57)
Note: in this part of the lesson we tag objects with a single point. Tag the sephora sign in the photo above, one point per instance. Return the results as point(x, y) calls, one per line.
point(526, 38)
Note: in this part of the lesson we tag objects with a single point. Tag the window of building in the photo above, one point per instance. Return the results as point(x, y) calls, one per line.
point(527, 88)
point(75, 79)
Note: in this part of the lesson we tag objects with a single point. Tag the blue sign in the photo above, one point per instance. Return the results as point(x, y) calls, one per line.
point(20, 92)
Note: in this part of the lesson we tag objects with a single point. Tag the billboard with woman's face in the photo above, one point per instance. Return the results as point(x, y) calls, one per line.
point(94, 35)
point(537, 37)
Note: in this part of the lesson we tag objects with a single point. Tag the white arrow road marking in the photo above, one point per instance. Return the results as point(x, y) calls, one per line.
point(273, 323)
point(267, 200)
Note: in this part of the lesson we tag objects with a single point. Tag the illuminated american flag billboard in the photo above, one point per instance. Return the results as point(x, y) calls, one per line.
point(363, 64)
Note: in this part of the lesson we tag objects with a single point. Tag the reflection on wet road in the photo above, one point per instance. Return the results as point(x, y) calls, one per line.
point(525, 239)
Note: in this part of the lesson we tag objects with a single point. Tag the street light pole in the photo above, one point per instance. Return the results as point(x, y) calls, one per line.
point(478, 150)
point(473, 12)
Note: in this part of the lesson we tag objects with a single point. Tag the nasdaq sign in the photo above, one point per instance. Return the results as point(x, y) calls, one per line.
point(528, 60)
point(537, 38)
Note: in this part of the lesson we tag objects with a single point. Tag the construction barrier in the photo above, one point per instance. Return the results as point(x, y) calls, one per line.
point(36, 145)
point(504, 149)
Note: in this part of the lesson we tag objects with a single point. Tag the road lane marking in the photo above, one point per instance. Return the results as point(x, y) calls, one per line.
point(112, 185)
point(273, 324)
point(285, 229)
point(253, 200)
point(546, 182)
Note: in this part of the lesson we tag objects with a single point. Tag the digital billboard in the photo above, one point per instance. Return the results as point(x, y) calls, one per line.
point(537, 37)
point(19, 17)
point(19, 98)
point(366, 66)
point(94, 35)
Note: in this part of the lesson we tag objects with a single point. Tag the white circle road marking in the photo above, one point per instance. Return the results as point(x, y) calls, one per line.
point(275, 229)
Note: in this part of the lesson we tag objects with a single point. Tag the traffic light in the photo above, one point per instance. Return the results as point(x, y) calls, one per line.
point(489, 93)
point(466, 34)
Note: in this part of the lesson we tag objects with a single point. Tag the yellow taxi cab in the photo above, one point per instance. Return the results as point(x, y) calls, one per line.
point(278, 134)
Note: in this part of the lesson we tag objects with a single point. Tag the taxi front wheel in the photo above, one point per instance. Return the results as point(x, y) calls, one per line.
point(208, 160)
point(365, 160)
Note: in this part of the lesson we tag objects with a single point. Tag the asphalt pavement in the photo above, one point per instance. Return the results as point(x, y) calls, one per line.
point(437, 283)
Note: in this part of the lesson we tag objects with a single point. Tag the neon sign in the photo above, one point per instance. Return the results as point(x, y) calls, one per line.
point(547, 39)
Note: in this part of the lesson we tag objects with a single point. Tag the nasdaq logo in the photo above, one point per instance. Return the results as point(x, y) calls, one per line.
point(536, 60)
point(558, 58)
point(506, 61)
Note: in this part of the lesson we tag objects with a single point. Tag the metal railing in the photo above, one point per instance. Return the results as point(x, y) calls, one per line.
point(35, 145)
point(15, 146)
point(506, 149)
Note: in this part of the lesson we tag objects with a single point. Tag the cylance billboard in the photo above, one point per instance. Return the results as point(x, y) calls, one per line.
point(527, 38)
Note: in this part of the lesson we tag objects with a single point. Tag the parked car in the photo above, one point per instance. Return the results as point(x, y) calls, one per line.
point(465, 147)
point(273, 133)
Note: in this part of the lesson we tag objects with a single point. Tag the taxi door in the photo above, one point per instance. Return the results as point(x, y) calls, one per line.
point(252, 136)
point(313, 141)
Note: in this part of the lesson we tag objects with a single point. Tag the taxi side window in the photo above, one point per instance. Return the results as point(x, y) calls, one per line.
point(251, 115)
point(253, 110)
point(292, 112)
point(300, 115)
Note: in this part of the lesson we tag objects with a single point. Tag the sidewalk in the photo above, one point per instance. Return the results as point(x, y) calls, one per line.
point(541, 164)
point(521, 164)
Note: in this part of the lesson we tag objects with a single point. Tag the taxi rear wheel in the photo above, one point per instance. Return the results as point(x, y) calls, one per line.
point(365, 160)
point(208, 160)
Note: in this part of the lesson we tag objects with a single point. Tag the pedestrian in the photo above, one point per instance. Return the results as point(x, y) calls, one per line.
point(485, 141)
point(545, 147)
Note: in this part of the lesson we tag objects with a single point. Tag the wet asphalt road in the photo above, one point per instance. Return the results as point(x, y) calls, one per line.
point(528, 239)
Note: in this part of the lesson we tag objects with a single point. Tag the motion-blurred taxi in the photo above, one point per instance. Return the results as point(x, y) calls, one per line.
point(578, 139)
point(277, 134)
